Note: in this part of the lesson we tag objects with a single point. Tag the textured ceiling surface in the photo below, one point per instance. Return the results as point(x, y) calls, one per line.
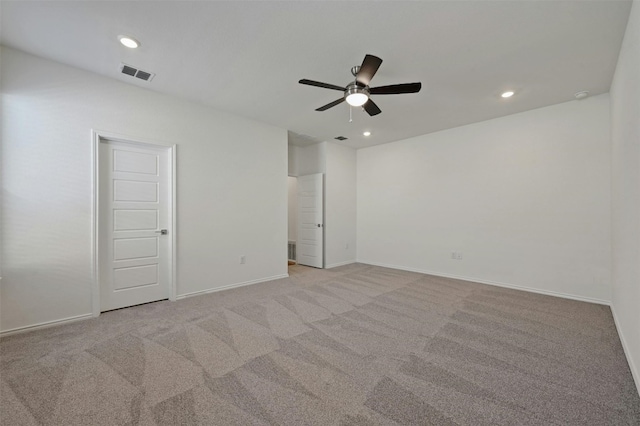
point(247, 57)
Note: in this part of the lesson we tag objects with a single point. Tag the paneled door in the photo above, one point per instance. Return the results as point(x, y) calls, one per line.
point(134, 223)
point(310, 244)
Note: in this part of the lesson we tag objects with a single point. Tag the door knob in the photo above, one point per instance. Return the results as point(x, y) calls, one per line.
point(319, 225)
point(162, 232)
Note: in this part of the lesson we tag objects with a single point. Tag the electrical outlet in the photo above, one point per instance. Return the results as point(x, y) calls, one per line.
point(243, 259)
point(459, 256)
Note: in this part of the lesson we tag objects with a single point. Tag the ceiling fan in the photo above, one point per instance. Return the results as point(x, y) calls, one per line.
point(358, 93)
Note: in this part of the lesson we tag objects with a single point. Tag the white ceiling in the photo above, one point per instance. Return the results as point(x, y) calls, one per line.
point(247, 57)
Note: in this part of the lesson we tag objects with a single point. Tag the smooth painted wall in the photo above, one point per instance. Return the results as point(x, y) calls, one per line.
point(340, 205)
point(231, 174)
point(625, 136)
point(524, 198)
point(293, 160)
point(309, 160)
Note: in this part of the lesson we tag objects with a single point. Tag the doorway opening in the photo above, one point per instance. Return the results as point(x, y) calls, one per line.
point(292, 183)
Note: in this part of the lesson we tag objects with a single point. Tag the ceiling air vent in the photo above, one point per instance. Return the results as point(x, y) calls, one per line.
point(341, 138)
point(134, 72)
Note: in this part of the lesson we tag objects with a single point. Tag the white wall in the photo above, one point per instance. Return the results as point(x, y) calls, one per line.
point(293, 208)
point(525, 199)
point(293, 160)
point(231, 172)
point(309, 160)
point(625, 135)
point(340, 205)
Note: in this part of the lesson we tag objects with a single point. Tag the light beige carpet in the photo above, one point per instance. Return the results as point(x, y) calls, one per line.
point(355, 345)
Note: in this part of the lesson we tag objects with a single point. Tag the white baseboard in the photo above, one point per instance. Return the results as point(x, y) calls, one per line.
point(45, 324)
point(632, 366)
point(48, 324)
point(335, 265)
point(494, 283)
point(230, 286)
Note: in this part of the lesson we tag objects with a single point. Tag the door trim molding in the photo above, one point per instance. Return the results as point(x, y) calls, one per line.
point(96, 137)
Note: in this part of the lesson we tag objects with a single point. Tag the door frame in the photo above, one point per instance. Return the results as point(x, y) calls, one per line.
point(97, 136)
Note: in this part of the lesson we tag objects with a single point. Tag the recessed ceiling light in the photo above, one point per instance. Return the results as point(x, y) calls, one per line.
point(507, 94)
point(129, 42)
point(367, 133)
point(582, 95)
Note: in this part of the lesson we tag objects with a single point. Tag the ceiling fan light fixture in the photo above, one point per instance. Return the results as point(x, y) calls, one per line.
point(357, 99)
point(356, 96)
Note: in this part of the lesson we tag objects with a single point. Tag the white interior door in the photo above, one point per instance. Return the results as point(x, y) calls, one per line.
point(134, 223)
point(310, 245)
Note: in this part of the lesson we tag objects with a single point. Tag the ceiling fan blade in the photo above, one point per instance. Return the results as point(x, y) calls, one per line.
point(320, 84)
point(330, 105)
point(396, 89)
point(371, 108)
point(368, 69)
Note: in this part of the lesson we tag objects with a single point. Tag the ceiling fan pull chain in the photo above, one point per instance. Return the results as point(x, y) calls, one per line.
point(350, 114)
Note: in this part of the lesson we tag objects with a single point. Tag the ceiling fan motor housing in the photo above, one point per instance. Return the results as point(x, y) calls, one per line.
point(355, 88)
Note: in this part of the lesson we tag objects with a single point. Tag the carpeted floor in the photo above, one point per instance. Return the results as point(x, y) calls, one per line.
point(355, 345)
